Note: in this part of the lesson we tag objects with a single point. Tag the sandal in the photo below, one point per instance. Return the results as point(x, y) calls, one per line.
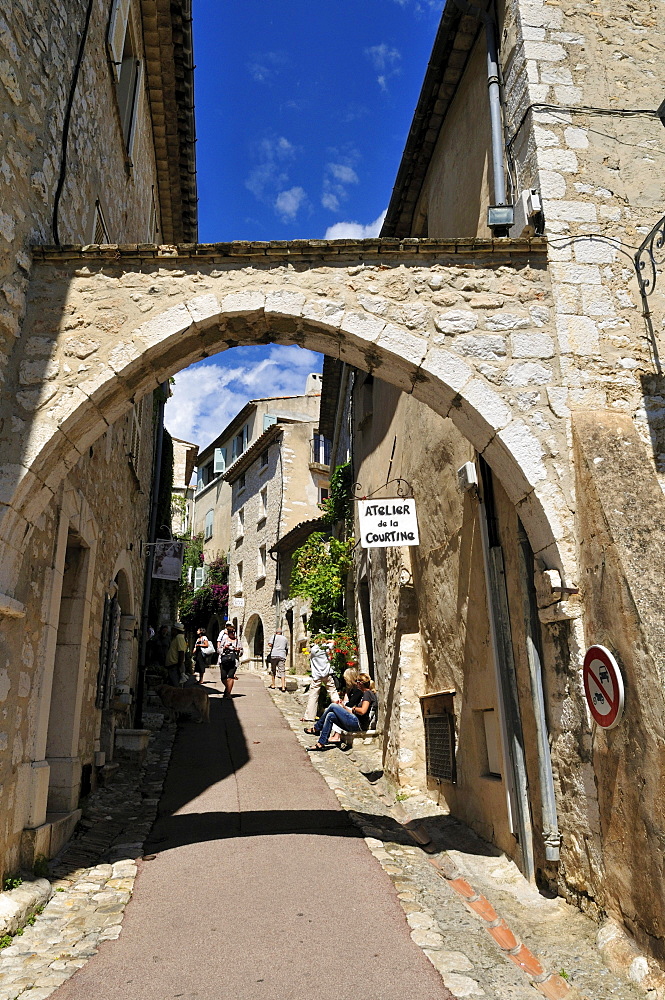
point(316, 748)
point(310, 731)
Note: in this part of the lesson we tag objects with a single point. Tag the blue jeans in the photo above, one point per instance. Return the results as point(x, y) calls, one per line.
point(343, 718)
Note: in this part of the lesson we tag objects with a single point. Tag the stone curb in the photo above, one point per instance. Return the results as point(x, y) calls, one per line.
point(16, 905)
point(550, 984)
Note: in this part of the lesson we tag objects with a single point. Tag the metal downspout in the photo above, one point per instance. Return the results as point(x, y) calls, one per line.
point(517, 795)
point(494, 92)
point(551, 835)
point(152, 532)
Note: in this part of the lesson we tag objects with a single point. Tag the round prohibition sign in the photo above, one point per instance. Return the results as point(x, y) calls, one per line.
point(603, 686)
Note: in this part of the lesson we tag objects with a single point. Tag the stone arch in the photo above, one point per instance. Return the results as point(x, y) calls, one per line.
point(252, 632)
point(124, 579)
point(289, 308)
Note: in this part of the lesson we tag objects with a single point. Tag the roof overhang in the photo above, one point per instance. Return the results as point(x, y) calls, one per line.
point(252, 453)
point(169, 57)
point(453, 44)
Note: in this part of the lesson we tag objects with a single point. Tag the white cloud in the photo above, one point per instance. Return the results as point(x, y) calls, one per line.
point(330, 201)
point(385, 61)
point(338, 174)
point(354, 230)
point(207, 396)
point(343, 173)
point(270, 173)
point(264, 66)
point(289, 202)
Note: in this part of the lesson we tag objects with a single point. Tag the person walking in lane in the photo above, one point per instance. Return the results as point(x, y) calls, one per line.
point(204, 652)
point(229, 654)
point(279, 648)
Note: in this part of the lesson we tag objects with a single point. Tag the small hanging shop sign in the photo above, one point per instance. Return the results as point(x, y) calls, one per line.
point(167, 560)
point(603, 686)
point(385, 523)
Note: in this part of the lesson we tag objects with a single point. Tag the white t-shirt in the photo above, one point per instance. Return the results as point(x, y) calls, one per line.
point(319, 662)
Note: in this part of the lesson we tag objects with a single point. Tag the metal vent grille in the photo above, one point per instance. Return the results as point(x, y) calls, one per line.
point(440, 746)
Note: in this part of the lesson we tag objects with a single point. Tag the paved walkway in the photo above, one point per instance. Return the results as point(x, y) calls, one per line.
point(261, 888)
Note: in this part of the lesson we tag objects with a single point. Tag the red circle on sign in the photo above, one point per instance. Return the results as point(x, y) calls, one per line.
point(603, 686)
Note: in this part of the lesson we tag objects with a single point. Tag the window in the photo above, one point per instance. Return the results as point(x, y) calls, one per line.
point(264, 458)
point(261, 563)
point(200, 574)
point(134, 450)
point(153, 222)
point(439, 721)
point(324, 493)
point(492, 743)
point(241, 522)
point(239, 578)
point(100, 233)
point(320, 450)
point(208, 525)
point(219, 461)
point(263, 509)
point(127, 69)
point(241, 482)
point(204, 475)
point(268, 421)
point(240, 442)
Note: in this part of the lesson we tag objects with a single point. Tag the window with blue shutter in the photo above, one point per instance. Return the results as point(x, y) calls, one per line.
point(220, 461)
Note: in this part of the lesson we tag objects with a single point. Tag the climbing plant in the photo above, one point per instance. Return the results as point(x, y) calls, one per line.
point(339, 504)
point(210, 600)
point(319, 574)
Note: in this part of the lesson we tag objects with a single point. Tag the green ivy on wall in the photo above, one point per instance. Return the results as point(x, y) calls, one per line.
point(319, 574)
point(339, 505)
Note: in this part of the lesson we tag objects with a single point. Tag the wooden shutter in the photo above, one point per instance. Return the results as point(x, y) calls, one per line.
point(117, 32)
point(220, 461)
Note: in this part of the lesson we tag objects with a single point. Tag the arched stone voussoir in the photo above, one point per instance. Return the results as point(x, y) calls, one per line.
point(549, 521)
point(516, 456)
point(479, 413)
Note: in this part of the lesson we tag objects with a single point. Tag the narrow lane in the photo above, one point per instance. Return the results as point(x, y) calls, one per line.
point(261, 887)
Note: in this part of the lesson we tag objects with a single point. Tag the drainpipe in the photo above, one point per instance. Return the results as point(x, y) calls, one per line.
point(494, 93)
point(517, 792)
point(152, 533)
point(551, 835)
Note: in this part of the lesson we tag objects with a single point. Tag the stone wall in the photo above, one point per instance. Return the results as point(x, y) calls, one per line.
point(622, 541)
point(601, 176)
point(466, 328)
point(115, 500)
point(39, 42)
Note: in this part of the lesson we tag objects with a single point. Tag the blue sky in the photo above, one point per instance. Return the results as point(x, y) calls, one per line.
point(302, 112)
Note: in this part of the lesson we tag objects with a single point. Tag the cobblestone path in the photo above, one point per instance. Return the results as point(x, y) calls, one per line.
point(92, 880)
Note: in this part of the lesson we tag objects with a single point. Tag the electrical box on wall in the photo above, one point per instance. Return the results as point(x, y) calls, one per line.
point(529, 219)
point(467, 477)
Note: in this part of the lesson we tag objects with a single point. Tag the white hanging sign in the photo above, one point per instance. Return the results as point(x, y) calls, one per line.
point(238, 602)
point(167, 560)
point(387, 522)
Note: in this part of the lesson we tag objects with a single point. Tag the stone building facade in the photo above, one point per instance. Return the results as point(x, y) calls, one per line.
point(182, 507)
point(274, 485)
point(95, 97)
point(473, 635)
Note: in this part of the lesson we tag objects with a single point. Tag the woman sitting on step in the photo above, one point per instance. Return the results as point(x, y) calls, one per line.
point(354, 719)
